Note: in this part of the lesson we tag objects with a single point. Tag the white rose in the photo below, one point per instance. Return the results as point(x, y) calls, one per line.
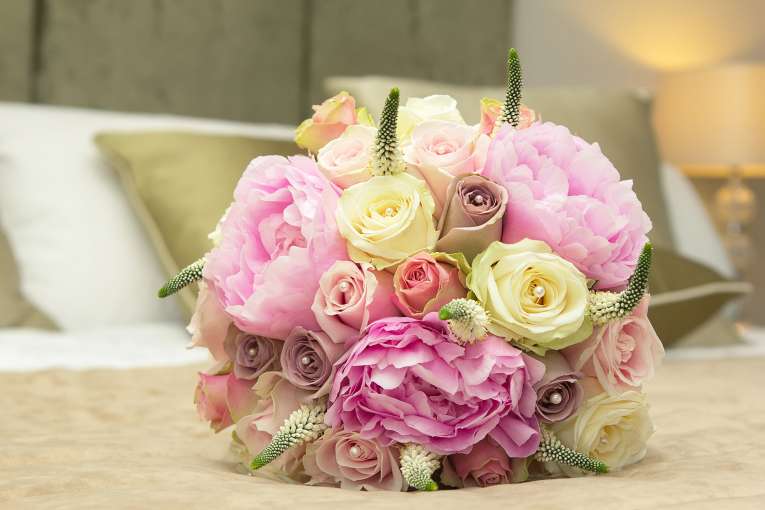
point(419, 109)
point(345, 160)
point(611, 428)
point(533, 296)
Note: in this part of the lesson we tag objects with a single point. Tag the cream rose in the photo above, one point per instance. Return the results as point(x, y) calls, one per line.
point(535, 297)
point(386, 219)
point(345, 160)
point(611, 428)
point(419, 109)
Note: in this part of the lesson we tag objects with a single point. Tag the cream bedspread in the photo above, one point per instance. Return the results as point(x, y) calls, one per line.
point(114, 439)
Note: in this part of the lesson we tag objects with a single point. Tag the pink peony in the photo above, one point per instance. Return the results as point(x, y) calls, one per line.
point(622, 355)
point(345, 458)
point(221, 399)
point(351, 296)
point(406, 381)
point(565, 192)
point(425, 282)
point(278, 237)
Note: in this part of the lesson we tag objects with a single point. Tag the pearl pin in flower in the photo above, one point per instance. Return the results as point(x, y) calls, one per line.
point(252, 351)
point(539, 292)
point(478, 199)
point(389, 211)
point(344, 286)
point(355, 451)
point(305, 360)
point(556, 398)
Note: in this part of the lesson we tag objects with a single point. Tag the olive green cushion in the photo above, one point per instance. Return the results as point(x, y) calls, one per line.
point(15, 310)
point(686, 295)
point(180, 184)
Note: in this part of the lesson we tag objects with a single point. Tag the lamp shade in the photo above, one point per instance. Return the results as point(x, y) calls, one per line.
point(709, 120)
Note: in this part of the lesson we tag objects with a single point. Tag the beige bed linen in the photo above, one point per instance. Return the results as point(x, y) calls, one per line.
point(130, 440)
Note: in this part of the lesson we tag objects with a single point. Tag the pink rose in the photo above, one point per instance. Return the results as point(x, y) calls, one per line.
point(351, 296)
point(441, 150)
point(222, 398)
point(345, 160)
point(278, 238)
point(492, 108)
point(209, 323)
point(345, 458)
point(487, 464)
point(406, 381)
point(308, 359)
point(276, 400)
point(565, 192)
point(425, 282)
point(328, 121)
point(622, 355)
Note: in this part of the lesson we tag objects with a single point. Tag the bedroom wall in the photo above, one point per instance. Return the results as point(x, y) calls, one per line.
point(254, 60)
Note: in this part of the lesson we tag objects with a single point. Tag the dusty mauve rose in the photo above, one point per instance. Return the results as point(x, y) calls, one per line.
point(276, 400)
point(308, 359)
point(427, 281)
point(487, 464)
point(209, 324)
point(351, 296)
point(345, 458)
point(221, 399)
point(492, 108)
point(441, 151)
point(622, 354)
point(472, 217)
point(252, 355)
point(559, 393)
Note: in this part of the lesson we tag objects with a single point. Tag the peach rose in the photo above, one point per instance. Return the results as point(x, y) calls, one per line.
point(425, 282)
point(492, 108)
point(329, 120)
point(622, 354)
point(345, 458)
point(441, 150)
point(351, 296)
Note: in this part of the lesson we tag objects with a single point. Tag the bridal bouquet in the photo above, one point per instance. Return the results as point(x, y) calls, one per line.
point(422, 303)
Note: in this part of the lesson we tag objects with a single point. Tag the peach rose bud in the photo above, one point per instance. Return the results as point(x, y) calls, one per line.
point(330, 119)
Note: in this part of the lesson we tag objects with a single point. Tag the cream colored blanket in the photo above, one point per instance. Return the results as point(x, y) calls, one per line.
point(115, 439)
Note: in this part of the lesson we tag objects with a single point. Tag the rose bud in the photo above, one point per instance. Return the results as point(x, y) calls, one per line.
point(351, 296)
point(559, 393)
point(487, 464)
point(308, 359)
point(427, 281)
point(252, 355)
point(473, 215)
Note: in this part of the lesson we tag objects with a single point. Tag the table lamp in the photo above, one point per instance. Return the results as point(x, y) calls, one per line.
point(711, 123)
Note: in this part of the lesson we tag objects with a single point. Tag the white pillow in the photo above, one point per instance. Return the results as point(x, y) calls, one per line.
point(692, 228)
point(82, 255)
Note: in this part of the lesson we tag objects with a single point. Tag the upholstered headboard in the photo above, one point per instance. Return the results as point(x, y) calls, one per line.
point(255, 60)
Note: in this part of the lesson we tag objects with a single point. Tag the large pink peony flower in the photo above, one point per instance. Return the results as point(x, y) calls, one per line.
point(565, 192)
point(278, 237)
point(406, 381)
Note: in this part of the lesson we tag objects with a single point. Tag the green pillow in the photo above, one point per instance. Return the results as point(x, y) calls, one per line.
point(180, 184)
point(15, 310)
point(686, 295)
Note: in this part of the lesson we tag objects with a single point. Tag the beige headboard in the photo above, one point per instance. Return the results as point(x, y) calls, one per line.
point(255, 60)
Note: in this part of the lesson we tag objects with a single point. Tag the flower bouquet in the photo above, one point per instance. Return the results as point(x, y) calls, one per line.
point(426, 304)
